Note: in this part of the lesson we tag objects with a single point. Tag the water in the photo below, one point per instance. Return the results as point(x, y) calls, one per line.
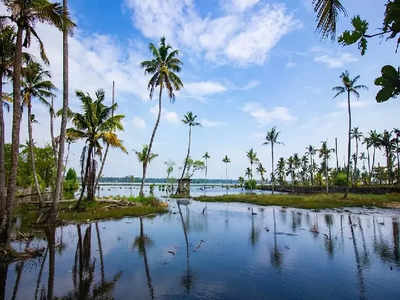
point(232, 251)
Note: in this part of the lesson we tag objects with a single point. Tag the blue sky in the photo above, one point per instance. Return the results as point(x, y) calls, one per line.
point(248, 65)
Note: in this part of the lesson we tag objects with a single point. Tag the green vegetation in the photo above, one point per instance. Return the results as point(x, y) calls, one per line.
point(71, 184)
point(315, 201)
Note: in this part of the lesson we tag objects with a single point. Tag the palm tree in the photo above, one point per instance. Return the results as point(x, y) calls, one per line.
point(226, 160)
point(357, 135)
point(296, 164)
point(190, 120)
point(66, 28)
point(143, 155)
point(272, 139)
point(387, 142)
point(7, 50)
point(206, 157)
point(310, 150)
point(35, 85)
point(327, 12)
point(324, 153)
point(163, 68)
point(170, 167)
point(368, 143)
point(252, 156)
point(396, 132)
point(290, 170)
point(349, 87)
point(281, 171)
point(261, 170)
point(95, 124)
point(25, 14)
point(249, 173)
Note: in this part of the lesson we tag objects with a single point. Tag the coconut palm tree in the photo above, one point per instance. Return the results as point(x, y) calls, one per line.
point(281, 171)
point(327, 12)
point(163, 68)
point(356, 134)
point(261, 170)
point(387, 142)
point(206, 157)
point(252, 156)
point(311, 151)
point(324, 153)
point(248, 173)
point(272, 139)
point(226, 160)
point(396, 140)
point(349, 87)
point(7, 50)
point(26, 14)
point(35, 85)
point(67, 29)
point(290, 170)
point(368, 143)
point(190, 120)
point(143, 156)
point(96, 124)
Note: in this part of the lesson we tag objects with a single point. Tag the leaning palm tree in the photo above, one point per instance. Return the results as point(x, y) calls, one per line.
point(7, 50)
point(349, 87)
point(143, 156)
point(190, 120)
point(252, 156)
point(25, 14)
point(356, 134)
point(163, 68)
point(272, 139)
point(35, 85)
point(206, 157)
point(96, 124)
point(226, 160)
point(261, 170)
point(327, 12)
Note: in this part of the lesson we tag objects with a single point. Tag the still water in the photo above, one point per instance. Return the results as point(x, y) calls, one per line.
point(217, 251)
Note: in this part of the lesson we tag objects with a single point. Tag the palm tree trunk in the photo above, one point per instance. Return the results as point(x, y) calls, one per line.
point(326, 174)
point(348, 147)
point(355, 163)
point(186, 160)
point(151, 141)
point(398, 162)
point(66, 158)
point(373, 161)
point(336, 153)
point(53, 140)
point(369, 165)
point(108, 145)
point(60, 159)
point(85, 177)
point(2, 166)
point(32, 153)
point(12, 180)
point(272, 172)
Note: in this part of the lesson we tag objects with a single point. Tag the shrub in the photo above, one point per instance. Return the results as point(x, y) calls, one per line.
point(340, 179)
point(250, 184)
point(71, 184)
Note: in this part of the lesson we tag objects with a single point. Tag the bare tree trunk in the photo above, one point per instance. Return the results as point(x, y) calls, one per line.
point(32, 153)
point(2, 162)
point(12, 180)
point(336, 153)
point(186, 160)
point(66, 158)
point(85, 177)
point(355, 163)
point(151, 142)
point(348, 147)
point(108, 145)
point(60, 160)
point(53, 140)
point(369, 165)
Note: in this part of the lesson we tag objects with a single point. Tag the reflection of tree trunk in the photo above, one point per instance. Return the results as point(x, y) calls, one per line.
point(146, 264)
point(396, 240)
point(184, 231)
point(363, 240)
point(3, 280)
point(358, 264)
point(19, 268)
point(51, 247)
point(40, 273)
point(100, 253)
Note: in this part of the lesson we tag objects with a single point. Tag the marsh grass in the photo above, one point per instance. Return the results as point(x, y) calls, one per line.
point(313, 201)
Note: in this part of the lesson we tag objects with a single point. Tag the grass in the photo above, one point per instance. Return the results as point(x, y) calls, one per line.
point(313, 201)
point(28, 213)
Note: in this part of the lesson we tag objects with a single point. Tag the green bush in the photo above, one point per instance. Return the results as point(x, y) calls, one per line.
point(250, 184)
point(71, 184)
point(340, 179)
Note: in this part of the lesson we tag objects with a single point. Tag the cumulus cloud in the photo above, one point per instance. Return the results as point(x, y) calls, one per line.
point(203, 88)
point(265, 116)
point(238, 5)
point(354, 104)
point(243, 36)
point(138, 122)
point(336, 61)
point(211, 124)
point(169, 116)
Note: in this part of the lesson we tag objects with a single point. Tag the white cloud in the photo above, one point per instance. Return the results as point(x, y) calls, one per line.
point(290, 64)
point(238, 5)
point(264, 116)
point(336, 61)
point(243, 37)
point(202, 89)
point(354, 104)
point(169, 116)
point(209, 123)
point(138, 122)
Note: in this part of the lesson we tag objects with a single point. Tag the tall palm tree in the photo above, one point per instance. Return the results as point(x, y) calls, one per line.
point(349, 87)
point(144, 156)
point(290, 170)
point(25, 14)
point(356, 134)
point(281, 170)
point(35, 85)
point(311, 151)
point(252, 156)
point(272, 139)
point(206, 157)
point(387, 142)
point(327, 12)
point(66, 29)
point(248, 173)
point(226, 160)
point(261, 170)
point(190, 120)
point(163, 68)
point(368, 143)
point(324, 153)
point(7, 50)
point(396, 140)
point(96, 124)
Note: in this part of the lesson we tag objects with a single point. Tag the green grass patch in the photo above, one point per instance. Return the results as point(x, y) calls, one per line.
point(313, 201)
